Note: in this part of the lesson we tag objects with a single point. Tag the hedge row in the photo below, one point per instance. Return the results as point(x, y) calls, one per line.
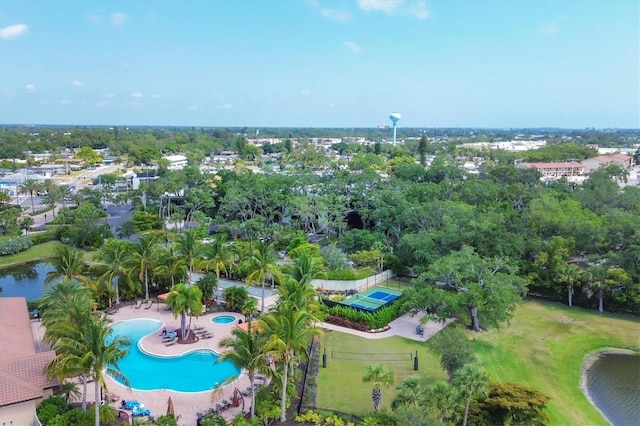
point(15, 245)
point(373, 320)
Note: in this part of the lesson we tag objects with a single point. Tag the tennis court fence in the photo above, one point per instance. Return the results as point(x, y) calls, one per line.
point(357, 285)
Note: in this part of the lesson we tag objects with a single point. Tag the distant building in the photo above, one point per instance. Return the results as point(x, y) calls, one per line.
point(23, 384)
point(622, 160)
point(556, 170)
point(176, 162)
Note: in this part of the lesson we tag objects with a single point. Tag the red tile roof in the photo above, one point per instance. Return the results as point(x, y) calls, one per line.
point(22, 375)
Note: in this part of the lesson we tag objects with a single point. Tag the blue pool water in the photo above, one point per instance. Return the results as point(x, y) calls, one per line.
point(223, 319)
point(193, 372)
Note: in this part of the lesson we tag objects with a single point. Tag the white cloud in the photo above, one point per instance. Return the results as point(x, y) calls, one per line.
point(385, 6)
point(306, 92)
point(137, 95)
point(355, 48)
point(311, 2)
point(13, 31)
point(108, 95)
point(31, 88)
point(65, 102)
point(94, 17)
point(118, 18)
point(549, 29)
point(336, 14)
point(419, 10)
point(102, 104)
point(135, 104)
point(154, 96)
point(226, 105)
point(77, 83)
point(7, 93)
point(193, 107)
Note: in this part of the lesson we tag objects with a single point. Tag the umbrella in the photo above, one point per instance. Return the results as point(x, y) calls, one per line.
point(170, 406)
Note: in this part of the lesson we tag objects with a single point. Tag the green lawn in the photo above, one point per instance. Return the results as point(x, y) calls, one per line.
point(340, 385)
point(35, 253)
point(544, 347)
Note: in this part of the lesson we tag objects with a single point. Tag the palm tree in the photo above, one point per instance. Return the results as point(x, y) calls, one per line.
point(471, 382)
point(30, 186)
point(65, 306)
point(380, 376)
point(91, 347)
point(183, 299)
point(171, 265)
point(67, 264)
point(142, 259)
point(115, 255)
point(188, 245)
point(264, 262)
point(307, 268)
point(54, 196)
point(570, 275)
point(299, 295)
point(409, 393)
point(444, 399)
point(289, 330)
point(247, 353)
point(219, 257)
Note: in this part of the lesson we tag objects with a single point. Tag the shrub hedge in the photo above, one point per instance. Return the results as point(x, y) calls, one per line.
point(15, 245)
point(356, 318)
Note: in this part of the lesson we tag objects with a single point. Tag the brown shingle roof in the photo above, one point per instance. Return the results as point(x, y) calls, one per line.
point(15, 329)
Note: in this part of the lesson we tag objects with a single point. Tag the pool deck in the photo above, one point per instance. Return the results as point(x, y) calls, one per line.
point(188, 404)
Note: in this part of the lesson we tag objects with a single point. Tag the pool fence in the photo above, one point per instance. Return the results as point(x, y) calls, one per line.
point(357, 285)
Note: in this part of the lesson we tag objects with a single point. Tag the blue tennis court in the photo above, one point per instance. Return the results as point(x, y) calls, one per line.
point(372, 299)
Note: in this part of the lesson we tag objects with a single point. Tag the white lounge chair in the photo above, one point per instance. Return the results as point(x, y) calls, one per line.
point(138, 304)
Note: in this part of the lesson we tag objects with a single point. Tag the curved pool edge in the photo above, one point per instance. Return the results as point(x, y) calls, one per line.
point(225, 315)
point(588, 361)
point(150, 353)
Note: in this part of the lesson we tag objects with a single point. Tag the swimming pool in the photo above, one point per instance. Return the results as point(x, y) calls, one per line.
point(223, 319)
point(193, 372)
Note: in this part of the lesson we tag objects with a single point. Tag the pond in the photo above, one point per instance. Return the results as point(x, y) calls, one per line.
point(613, 384)
point(25, 280)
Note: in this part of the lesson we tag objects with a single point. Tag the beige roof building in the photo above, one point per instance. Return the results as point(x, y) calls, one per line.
point(556, 170)
point(622, 160)
point(23, 384)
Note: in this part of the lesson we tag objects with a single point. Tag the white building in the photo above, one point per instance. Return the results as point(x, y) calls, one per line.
point(176, 162)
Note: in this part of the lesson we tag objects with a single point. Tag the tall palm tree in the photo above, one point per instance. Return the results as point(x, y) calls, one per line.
point(307, 268)
point(219, 257)
point(183, 299)
point(65, 306)
point(380, 376)
point(299, 295)
point(570, 275)
point(30, 187)
point(171, 265)
point(114, 254)
point(471, 382)
point(54, 196)
point(188, 245)
point(142, 259)
point(289, 331)
point(91, 347)
point(247, 352)
point(264, 264)
point(444, 399)
point(67, 264)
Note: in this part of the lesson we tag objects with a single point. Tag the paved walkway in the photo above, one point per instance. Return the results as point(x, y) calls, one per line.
point(404, 326)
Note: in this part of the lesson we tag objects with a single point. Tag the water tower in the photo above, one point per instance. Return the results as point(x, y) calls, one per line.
point(394, 117)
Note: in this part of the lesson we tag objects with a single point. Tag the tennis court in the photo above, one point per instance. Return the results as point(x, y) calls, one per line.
point(372, 299)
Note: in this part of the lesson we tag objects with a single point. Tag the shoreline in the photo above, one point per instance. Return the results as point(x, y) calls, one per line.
point(588, 362)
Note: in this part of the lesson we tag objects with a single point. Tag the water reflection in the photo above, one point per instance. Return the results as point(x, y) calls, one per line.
point(613, 383)
point(25, 280)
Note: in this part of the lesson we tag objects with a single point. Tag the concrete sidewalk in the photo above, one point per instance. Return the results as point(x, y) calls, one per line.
point(404, 326)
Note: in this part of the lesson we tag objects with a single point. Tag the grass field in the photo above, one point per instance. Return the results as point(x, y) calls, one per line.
point(35, 253)
point(340, 385)
point(544, 347)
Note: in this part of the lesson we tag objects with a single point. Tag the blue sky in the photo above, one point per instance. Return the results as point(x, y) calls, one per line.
point(571, 64)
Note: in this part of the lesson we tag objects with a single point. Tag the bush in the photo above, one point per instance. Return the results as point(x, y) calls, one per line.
point(235, 297)
point(146, 221)
point(357, 318)
point(348, 274)
point(42, 237)
point(50, 408)
point(15, 245)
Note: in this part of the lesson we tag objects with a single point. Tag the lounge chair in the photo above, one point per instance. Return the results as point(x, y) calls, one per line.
point(138, 304)
point(170, 343)
point(149, 303)
point(420, 330)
